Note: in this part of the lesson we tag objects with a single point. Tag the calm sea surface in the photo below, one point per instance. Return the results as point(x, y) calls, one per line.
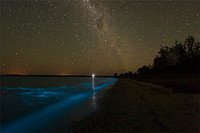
point(28, 101)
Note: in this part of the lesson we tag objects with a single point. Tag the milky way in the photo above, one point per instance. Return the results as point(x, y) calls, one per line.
point(90, 36)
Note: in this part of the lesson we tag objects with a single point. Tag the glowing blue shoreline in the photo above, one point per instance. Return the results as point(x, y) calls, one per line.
point(45, 117)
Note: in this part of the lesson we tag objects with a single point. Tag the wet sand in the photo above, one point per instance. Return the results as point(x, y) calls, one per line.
point(132, 106)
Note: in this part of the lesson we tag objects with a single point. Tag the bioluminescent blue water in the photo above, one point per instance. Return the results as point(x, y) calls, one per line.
point(34, 104)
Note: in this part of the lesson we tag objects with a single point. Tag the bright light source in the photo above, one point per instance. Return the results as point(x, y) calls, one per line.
point(93, 75)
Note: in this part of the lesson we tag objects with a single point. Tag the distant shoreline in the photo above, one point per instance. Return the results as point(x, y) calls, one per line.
point(54, 75)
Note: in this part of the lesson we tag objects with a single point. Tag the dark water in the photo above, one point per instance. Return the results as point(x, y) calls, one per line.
point(34, 104)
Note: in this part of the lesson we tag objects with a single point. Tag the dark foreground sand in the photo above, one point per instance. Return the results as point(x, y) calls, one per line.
point(132, 106)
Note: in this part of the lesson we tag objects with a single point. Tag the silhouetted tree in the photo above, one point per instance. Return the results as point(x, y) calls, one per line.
point(189, 42)
point(127, 75)
point(144, 70)
point(180, 58)
point(130, 74)
point(197, 48)
point(115, 74)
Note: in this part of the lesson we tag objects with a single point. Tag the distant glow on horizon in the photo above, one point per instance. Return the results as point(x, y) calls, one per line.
point(93, 75)
point(63, 74)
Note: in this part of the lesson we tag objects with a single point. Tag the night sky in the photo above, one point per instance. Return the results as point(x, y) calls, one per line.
point(78, 37)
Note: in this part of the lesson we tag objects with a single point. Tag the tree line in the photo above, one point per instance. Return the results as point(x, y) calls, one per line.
point(178, 59)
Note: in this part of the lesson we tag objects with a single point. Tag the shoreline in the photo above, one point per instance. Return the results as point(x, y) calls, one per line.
point(179, 83)
point(132, 106)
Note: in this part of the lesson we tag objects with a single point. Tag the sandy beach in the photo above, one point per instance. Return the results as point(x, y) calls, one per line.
point(132, 106)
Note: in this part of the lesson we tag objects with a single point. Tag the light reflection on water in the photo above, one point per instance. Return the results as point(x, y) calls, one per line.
point(93, 83)
point(94, 100)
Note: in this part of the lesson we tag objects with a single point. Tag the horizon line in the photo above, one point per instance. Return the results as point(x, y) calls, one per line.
point(50, 75)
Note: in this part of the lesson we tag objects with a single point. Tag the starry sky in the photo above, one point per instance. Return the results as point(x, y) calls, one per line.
point(81, 37)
